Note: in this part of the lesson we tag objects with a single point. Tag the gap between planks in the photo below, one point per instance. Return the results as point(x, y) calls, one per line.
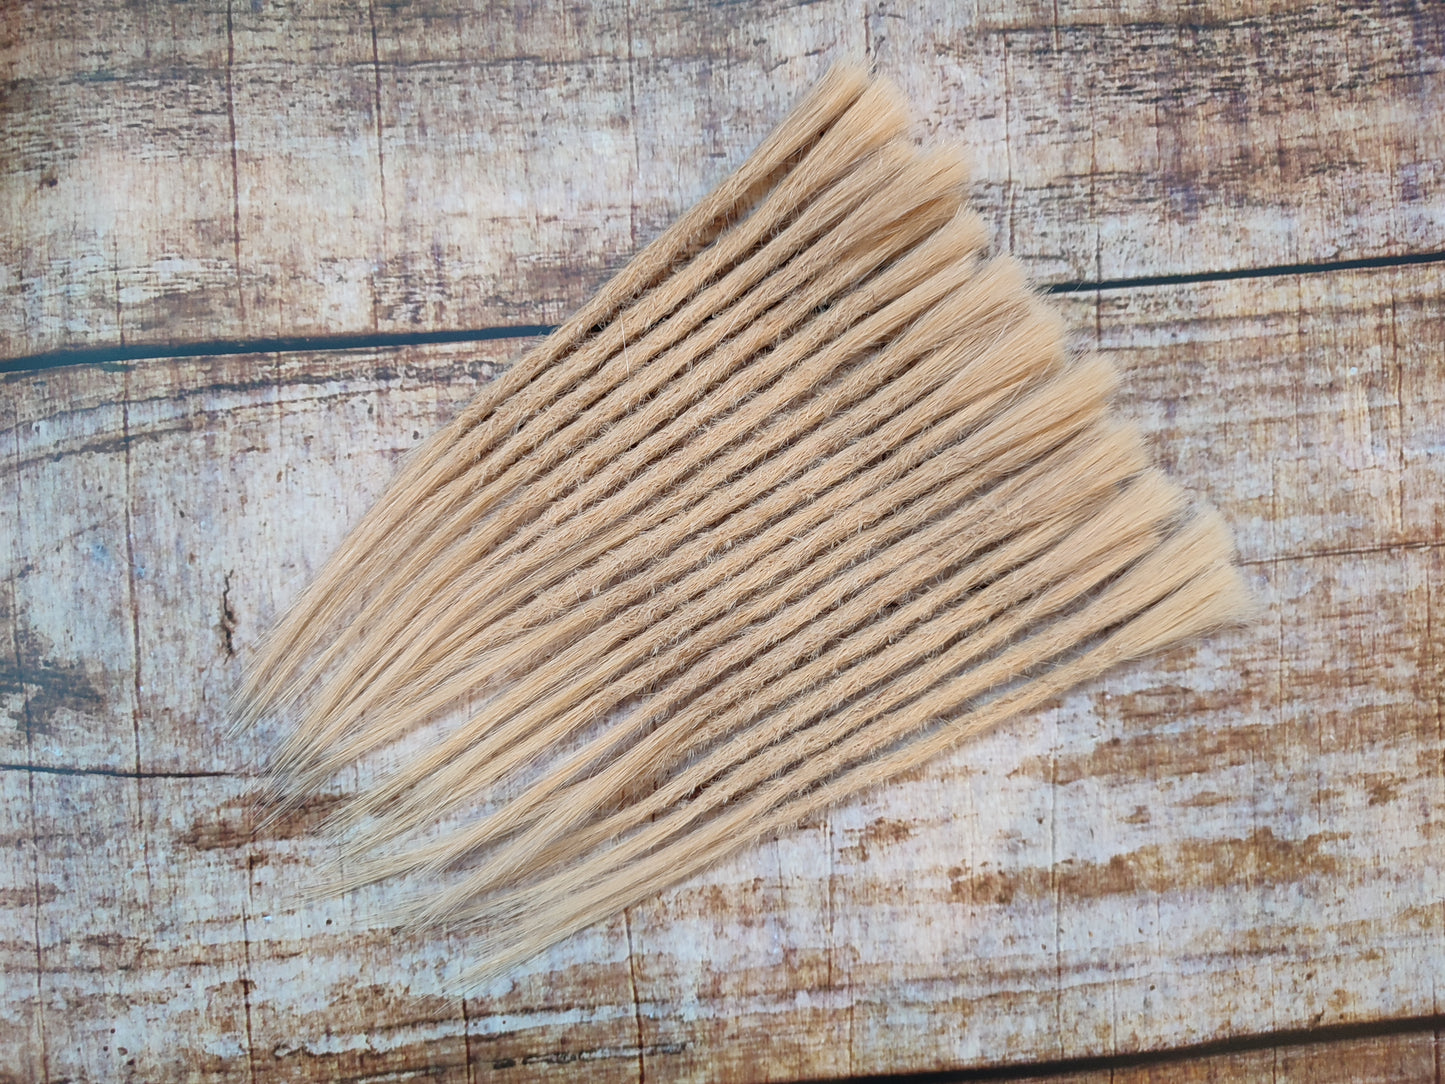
point(1062, 1070)
point(122, 353)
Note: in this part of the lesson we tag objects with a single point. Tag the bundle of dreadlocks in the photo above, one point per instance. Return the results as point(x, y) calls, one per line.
point(810, 492)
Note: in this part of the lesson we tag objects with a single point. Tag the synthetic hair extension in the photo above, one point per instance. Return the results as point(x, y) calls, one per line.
point(809, 493)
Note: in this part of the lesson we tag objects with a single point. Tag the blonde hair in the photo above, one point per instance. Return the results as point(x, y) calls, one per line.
point(811, 491)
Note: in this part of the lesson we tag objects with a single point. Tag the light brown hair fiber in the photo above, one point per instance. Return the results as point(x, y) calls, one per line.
point(809, 493)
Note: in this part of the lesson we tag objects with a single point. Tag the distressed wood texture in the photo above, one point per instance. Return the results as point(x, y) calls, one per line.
point(1234, 839)
point(243, 170)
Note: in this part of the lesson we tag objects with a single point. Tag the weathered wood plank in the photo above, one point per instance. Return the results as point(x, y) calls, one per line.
point(1233, 839)
point(281, 169)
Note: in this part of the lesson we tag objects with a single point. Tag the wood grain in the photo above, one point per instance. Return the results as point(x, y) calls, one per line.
point(1236, 840)
point(1230, 840)
point(245, 171)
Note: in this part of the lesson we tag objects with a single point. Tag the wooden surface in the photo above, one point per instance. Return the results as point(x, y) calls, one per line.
point(267, 169)
point(1231, 842)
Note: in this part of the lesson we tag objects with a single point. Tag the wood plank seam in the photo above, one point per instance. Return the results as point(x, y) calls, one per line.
point(103, 355)
point(1069, 1068)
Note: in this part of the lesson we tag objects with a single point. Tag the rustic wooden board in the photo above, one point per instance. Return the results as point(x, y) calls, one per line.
point(1233, 839)
point(237, 170)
